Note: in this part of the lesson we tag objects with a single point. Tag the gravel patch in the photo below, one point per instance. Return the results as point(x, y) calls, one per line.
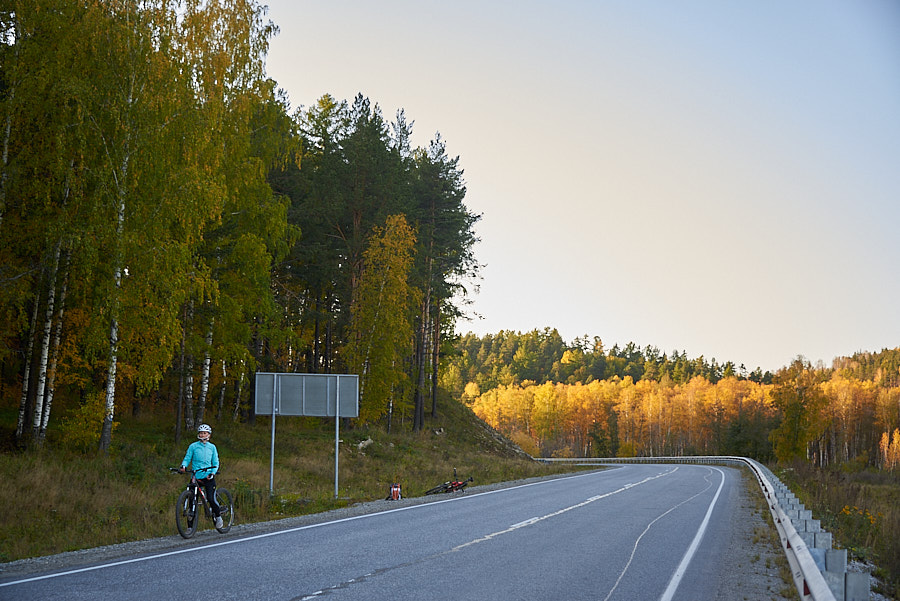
point(754, 552)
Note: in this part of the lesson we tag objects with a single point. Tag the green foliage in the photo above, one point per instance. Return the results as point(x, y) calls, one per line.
point(80, 430)
point(543, 356)
point(148, 152)
point(626, 450)
point(381, 333)
point(800, 401)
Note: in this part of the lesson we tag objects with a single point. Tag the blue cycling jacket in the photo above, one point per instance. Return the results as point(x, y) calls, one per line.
point(203, 458)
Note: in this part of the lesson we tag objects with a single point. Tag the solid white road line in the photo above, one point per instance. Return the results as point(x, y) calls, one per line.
point(689, 554)
point(268, 534)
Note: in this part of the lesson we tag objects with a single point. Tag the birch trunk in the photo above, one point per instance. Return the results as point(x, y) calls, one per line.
point(189, 423)
point(237, 395)
point(120, 180)
point(187, 372)
point(57, 335)
point(204, 375)
point(222, 391)
point(179, 414)
point(106, 431)
point(26, 376)
point(45, 348)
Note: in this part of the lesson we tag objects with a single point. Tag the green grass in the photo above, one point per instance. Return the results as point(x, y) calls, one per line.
point(61, 500)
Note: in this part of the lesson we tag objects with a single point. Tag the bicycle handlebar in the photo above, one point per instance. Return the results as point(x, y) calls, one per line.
point(177, 470)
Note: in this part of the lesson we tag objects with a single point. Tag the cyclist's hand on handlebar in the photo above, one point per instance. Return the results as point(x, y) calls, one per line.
point(181, 470)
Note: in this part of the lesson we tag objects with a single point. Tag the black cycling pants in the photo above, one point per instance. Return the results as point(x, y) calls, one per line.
point(209, 486)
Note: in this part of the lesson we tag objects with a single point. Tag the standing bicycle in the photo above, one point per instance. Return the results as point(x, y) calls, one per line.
point(194, 499)
point(203, 457)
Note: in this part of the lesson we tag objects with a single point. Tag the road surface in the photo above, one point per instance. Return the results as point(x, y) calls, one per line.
point(655, 532)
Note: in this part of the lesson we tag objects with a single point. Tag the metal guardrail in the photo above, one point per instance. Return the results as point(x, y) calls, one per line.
point(811, 567)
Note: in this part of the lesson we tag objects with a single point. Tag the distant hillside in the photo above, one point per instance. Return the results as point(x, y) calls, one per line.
point(541, 356)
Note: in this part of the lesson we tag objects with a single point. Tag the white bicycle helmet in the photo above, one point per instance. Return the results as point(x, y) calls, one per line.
point(204, 428)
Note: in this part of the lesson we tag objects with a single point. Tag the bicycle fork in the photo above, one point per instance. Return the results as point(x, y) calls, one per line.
point(192, 501)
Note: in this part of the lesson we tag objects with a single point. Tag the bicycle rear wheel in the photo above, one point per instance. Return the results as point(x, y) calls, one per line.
point(439, 488)
point(186, 514)
point(226, 509)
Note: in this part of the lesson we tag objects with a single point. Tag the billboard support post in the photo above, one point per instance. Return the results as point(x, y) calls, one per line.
point(272, 455)
point(306, 395)
point(337, 426)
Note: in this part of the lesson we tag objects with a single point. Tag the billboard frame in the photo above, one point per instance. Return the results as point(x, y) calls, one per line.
point(286, 394)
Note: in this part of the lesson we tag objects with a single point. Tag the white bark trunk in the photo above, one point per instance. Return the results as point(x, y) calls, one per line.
point(222, 390)
point(57, 335)
point(26, 376)
point(204, 376)
point(237, 397)
point(188, 375)
point(189, 422)
point(106, 432)
point(45, 348)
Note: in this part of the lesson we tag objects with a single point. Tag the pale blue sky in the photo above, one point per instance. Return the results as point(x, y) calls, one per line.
point(713, 176)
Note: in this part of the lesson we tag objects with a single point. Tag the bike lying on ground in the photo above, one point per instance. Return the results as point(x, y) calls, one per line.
point(190, 501)
point(451, 486)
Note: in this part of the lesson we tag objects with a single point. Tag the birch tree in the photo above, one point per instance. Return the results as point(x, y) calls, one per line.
point(42, 140)
point(160, 185)
point(381, 331)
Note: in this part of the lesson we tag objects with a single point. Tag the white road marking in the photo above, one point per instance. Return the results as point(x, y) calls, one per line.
point(268, 534)
point(535, 520)
point(689, 554)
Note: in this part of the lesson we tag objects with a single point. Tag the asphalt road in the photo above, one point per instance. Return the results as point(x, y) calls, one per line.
point(629, 533)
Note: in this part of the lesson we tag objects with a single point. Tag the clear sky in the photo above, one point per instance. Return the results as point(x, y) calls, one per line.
point(716, 177)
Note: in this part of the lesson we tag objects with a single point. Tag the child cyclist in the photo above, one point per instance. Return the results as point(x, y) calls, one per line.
point(203, 458)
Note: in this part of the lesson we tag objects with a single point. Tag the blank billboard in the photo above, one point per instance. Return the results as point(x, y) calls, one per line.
point(314, 395)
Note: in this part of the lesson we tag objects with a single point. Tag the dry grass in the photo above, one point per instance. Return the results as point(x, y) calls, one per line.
point(57, 500)
point(860, 508)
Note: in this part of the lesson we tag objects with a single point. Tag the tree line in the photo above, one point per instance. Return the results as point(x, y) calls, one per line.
point(168, 226)
point(554, 399)
point(540, 356)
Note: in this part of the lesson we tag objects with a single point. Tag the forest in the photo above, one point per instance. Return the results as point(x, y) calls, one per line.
point(579, 400)
point(169, 225)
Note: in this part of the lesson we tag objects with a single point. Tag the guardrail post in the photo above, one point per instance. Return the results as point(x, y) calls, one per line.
point(856, 586)
point(819, 571)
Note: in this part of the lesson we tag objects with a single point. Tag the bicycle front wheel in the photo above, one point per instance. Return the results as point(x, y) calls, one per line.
point(226, 509)
point(186, 514)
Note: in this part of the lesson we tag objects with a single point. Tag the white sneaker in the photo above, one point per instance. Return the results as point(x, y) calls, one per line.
point(219, 522)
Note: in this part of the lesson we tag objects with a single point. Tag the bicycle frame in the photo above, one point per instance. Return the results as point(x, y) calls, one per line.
point(187, 507)
point(454, 485)
point(198, 493)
